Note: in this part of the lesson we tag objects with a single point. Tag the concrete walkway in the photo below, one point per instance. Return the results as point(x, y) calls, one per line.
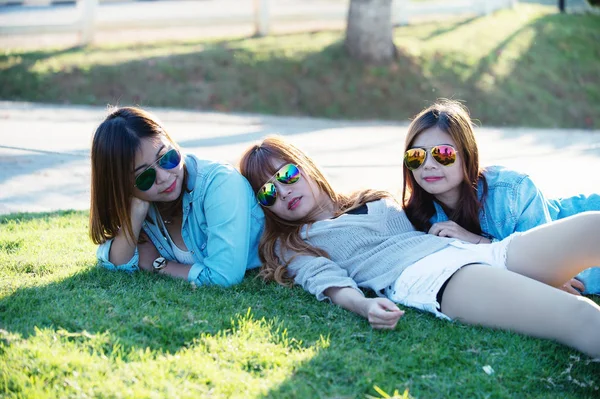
point(45, 166)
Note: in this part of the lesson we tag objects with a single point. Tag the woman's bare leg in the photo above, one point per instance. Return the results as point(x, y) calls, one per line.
point(493, 297)
point(555, 252)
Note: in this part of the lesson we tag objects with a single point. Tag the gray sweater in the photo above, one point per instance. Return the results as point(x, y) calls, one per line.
point(367, 251)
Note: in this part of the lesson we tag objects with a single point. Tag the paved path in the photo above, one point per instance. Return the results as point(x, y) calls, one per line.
point(44, 151)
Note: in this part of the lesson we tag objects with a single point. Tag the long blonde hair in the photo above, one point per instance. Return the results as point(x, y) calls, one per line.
point(257, 167)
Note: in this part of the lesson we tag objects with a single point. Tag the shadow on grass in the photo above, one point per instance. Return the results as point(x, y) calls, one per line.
point(453, 26)
point(551, 81)
point(132, 313)
point(428, 356)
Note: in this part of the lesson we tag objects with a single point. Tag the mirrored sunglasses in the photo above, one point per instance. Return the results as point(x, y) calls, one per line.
point(288, 174)
point(444, 154)
point(168, 160)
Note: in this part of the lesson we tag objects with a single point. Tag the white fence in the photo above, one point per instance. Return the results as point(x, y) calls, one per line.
point(89, 15)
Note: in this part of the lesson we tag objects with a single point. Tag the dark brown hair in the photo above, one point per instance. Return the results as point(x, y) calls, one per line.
point(453, 118)
point(257, 167)
point(114, 146)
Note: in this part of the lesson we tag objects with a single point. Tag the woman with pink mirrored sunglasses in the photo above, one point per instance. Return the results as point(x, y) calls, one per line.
point(447, 193)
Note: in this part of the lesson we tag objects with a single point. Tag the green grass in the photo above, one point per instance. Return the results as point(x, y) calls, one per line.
point(524, 67)
point(70, 329)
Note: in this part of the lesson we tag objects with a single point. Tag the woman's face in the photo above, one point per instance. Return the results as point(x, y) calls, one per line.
point(441, 181)
point(168, 183)
point(296, 201)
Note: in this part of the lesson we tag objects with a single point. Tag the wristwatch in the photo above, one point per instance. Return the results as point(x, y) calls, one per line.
point(159, 264)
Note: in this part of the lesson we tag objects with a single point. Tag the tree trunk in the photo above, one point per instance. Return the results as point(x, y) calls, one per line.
point(369, 31)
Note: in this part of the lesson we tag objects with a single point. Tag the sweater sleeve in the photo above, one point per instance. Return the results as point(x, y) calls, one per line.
point(316, 274)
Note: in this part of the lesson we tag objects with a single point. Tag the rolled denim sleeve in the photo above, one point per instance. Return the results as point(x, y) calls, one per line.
point(227, 209)
point(529, 207)
point(103, 252)
point(565, 207)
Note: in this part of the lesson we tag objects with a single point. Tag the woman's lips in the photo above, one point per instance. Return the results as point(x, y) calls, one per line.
point(432, 179)
point(171, 187)
point(293, 204)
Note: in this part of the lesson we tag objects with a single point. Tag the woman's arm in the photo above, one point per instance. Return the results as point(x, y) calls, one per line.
point(452, 229)
point(527, 206)
point(123, 248)
point(380, 312)
point(327, 280)
point(227, 207)
point(120, 253)
point(148, 253)
point(513, 204)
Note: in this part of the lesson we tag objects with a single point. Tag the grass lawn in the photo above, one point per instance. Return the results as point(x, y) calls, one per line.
point(70, 329)
point(525, 67)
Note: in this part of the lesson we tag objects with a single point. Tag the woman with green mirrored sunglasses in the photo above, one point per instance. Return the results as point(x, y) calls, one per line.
point(148, 206)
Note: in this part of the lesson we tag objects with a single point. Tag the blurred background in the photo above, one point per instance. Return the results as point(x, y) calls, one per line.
point(514, 63)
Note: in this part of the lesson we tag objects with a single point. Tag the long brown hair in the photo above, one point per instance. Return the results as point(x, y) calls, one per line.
point(283, 236)
point(453, 118)
point(114, 146)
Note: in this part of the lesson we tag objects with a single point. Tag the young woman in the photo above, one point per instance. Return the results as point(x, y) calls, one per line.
point(334, 245)
point(155, 209)
point(446, 193)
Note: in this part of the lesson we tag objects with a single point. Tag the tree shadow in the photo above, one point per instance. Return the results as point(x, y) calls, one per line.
point(137, 311)
point(24, 164)
point(233, 75)
point(140, 312)
point(450, 28)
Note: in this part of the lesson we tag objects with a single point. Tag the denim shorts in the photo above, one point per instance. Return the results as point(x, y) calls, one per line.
point(419, 284)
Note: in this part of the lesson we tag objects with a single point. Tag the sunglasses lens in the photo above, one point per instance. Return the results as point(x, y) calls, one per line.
point(444, 154)
point(414, 158)
point(170, 160)
point(289, 174)
point(267, 194)
point(145, 180)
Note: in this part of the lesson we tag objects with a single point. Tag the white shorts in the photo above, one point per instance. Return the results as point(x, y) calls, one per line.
point(419, 284)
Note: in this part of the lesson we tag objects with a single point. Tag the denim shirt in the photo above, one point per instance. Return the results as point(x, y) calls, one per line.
point(221, 226)
point(514, 203)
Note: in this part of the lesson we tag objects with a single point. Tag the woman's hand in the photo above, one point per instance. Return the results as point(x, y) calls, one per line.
point(451, 229)
point(138, 209)
point(573, 286)
point(383, 314)
point(123, 246)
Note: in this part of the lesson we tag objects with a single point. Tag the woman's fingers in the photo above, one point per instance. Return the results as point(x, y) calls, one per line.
point(578, 285)
point(573, 286)
point(385, 314)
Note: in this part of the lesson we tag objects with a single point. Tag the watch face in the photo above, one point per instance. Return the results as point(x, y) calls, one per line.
point(159, 263)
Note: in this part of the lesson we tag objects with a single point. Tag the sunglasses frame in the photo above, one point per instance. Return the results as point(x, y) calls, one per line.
point(275, 187)
point(153, 166)
point(429, 150)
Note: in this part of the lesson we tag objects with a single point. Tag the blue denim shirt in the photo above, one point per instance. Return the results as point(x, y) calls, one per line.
point(221, 227)
point(514, 203)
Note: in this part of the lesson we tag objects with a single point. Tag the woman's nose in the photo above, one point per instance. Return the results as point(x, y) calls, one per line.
point(161, 175)
point(429, 162)
point(284, 190)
